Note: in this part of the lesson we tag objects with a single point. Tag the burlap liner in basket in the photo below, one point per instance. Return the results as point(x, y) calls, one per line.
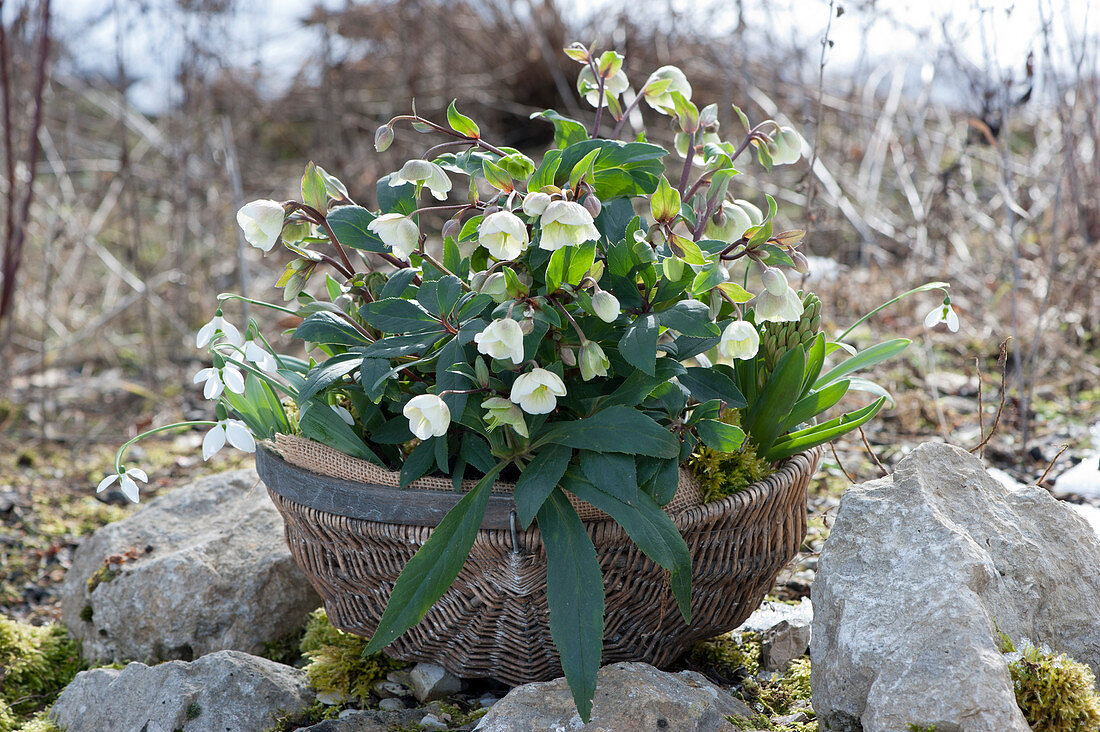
point(324, 460)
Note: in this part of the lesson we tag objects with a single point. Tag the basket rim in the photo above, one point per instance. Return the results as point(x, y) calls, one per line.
point(423, 507)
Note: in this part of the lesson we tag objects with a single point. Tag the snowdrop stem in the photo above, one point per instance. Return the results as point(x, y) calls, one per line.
point(923, 288)
point(223, 297)
point(155, 430)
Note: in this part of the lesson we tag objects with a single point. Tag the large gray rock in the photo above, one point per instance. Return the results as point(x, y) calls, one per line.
point(201, 569)
point(918, 569)
point(223, 691)
point(629, 696)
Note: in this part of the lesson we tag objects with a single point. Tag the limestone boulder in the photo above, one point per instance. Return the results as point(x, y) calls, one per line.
point(629, 696)
point(920, 570)
point(227, 690)
point(201, 569)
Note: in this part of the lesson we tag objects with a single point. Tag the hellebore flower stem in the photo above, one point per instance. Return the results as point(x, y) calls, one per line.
point(439, 128)
point(347, 269)
point(599, 91)
point(626, 113)
point(687, 167)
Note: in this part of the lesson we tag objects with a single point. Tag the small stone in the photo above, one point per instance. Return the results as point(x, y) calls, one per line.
point(9, 499)
point(431, 681)
point(392, 704)
point(389, 689)
point(771, 614)
point(789, 719)
point(782, 644)
point(487, 700)
point(430, 721)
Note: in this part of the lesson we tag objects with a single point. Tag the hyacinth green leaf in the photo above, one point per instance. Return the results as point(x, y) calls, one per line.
point(649, 527)
point(460, 123)
point(763, 421)
point(815, 359)
point(574, 593)
point(538, 479)
point(349, 224)
point(434, 566)
point(802, 440)
point(876, 354)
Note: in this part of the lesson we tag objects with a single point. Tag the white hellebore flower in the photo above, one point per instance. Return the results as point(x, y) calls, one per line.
point(501, 339)
point(428, 415)
point(566, 224)
point(756, 216)
point(218, 380)
point(737, 222)
point(259, 355)
point(397, 232)
point(613, 86)
point(423, 173)
point(943, 314)
point(126, 483)
point(778, 302)
point(504, 234)
point(537, 392)
point(740, 339)
point(500, 411)
point(233, 430)
point(789, 146)
point(662, 102)
point(593, 361)
point(262, 222)
point(218, 324)
point(535, 203)
point(606, 306)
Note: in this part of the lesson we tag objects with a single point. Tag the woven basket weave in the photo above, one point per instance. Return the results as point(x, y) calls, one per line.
point(494, 621)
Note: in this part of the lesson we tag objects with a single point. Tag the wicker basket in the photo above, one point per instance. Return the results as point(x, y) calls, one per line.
point(353, 539)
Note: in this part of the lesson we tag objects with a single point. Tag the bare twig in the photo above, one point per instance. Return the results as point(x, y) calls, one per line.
point(1051, 465)
point(867, 447)
point(1002, 362)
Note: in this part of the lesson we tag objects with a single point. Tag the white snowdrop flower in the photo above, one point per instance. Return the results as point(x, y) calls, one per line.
point(126, 483)
point(943, 314)
point(501, 339)
point(662, 101)
point(217, 325)
point(262, 222)
point(399, 233)
point(740, 339)
point(260, 356)
point(537, 392)
point(566, 223)
point(428, 415)
point(535, 203)
point(423, 173)
point(218, 380)
point(232, 430)
point(504, 234)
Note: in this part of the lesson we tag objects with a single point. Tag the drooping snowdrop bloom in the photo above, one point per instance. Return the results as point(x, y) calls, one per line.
point(398, 232)
point(566, 224)
point(778, 302)
point(613, 86)
point(943, 314)
point(662, 101)
point(593, 361)
point(789, 146)
point(233, 430)
point(217, 325)
point(504, 234)
point(732, 223)
point(501, 339)
point(126, 483)
point(537, 392)
point(262, 222)
point(218, 380)
point(423, 173)
point(606, 306)
point(428, 415)
point(739, 340)
point(260, 356)
point(535, 203)
point(500, 411)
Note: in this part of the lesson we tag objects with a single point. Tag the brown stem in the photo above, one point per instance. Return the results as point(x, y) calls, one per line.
point(599, 100)
point(687, 167)
point(626, 113)
point(432, 261)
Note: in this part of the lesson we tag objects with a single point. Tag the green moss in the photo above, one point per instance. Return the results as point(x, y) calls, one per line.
point(285, 650)
point(86, 613)
point(914, 727)
point(722, 474)
point(732, 654)
point(37, 663)
point(194, 709)
point(1055, 693)
point(102, 575)
point(782, 695)
point(458, 717)
point(336, 662)
point(311, 715)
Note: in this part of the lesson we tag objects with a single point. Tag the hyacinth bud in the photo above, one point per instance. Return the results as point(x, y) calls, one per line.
point(801, 264)
point(569, 357)
point(452, 229)
point(592, 205)
point(383, 138)
point(526, 326)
